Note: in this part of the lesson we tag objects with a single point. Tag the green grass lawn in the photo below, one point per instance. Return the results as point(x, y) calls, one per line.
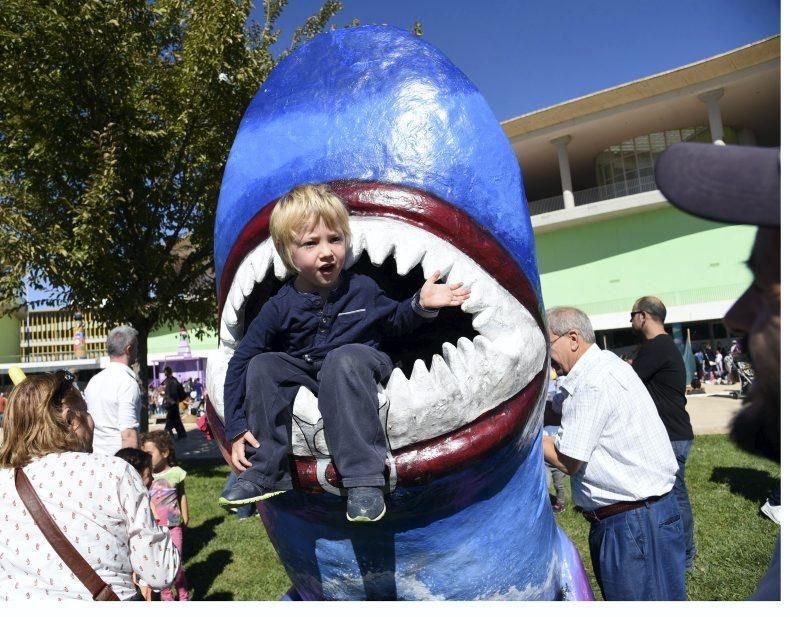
point(231, 560)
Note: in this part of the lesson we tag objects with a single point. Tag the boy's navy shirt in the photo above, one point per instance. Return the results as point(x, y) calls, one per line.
point(304, 326)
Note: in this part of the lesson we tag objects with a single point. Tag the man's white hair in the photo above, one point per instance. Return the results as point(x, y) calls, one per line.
point(119, 338)
point(562, 319)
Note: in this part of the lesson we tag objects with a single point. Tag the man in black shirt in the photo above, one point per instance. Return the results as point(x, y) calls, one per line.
point(174, 394)
point(660, 366)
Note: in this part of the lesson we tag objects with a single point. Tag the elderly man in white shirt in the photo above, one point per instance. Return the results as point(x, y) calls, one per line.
point(622, 468)
point(113, 395)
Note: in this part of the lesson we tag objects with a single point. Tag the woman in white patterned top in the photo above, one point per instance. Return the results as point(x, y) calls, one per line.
point(99, 502)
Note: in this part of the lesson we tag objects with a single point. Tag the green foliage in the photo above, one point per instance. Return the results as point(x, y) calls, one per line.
point(116, 118)
point(227, 559)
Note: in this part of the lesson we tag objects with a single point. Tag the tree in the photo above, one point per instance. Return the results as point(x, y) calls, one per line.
point(116, 118)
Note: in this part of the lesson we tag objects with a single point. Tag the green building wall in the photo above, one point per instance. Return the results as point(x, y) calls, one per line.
point(165, 340)
point(603, 267)
point(9, 339)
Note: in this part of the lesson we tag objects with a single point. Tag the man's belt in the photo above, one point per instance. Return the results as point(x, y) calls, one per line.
point(617, 508)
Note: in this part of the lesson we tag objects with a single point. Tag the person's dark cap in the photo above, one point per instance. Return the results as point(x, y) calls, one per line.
point(730, 184)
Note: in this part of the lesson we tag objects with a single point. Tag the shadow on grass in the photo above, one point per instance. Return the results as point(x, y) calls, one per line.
point(752, 484)
point(206, 469)
point(202, 574)
point(199, 537)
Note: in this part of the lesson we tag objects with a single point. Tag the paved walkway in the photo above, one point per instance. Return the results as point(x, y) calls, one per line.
point(195, 446)
point(712, 411)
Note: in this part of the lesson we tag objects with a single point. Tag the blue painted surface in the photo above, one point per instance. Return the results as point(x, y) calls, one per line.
point(378, 104)
point(374, 104)
point(484, 533)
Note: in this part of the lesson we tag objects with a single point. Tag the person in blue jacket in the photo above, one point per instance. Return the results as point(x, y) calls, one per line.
point(321, 330)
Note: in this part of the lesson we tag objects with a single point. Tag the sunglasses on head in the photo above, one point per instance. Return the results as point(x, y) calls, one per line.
point(67, 379)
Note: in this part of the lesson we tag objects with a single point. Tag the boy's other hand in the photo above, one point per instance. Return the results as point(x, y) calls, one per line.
point(435, 295)
point(237, 450)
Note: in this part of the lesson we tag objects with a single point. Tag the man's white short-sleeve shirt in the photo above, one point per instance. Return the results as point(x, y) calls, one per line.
point(610, 422)
point(113, 399)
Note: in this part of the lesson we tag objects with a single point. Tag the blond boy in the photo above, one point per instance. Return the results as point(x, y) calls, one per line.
point(321, 330)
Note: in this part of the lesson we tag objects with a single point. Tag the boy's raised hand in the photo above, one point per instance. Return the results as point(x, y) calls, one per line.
point(435, 295)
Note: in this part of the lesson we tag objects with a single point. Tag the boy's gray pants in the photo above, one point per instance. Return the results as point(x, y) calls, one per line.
point(345, 384)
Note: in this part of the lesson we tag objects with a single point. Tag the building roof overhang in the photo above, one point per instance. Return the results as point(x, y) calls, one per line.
point(750, 77)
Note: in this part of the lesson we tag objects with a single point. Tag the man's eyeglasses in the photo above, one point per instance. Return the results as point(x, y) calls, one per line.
point(558, 337)
point(635, 313)
point(67, 379)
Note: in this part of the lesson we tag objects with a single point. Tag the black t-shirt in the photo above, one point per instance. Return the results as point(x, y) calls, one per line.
point(173, 392)
point(660, 366)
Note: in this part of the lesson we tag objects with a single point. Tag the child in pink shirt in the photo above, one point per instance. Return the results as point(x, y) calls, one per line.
point(168, 497)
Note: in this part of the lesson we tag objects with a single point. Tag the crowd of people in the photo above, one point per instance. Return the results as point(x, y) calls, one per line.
point(114, 491)
point(716, 365)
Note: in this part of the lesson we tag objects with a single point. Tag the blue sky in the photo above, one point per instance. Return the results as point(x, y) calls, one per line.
point(525, 55)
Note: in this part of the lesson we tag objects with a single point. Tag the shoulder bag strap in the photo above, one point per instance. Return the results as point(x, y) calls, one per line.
point(99, 589)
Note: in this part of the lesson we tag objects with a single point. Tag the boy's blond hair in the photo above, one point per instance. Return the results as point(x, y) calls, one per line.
point(301, 208)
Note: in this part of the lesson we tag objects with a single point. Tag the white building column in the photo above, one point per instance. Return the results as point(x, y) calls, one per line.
point(563, 165)
point(711, 99)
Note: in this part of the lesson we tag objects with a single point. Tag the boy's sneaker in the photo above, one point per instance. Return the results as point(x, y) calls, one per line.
point(773, 513)
point(558, 507)
point(243, 492)
point(365, 504)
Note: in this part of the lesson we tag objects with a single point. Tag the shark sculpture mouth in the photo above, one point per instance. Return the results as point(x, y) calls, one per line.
point(467, 382)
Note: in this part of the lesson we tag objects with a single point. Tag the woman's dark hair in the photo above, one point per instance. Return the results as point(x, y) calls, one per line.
point(138, 459)
point(162, 440)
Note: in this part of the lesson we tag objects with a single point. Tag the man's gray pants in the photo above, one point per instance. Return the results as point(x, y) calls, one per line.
point(345, 384)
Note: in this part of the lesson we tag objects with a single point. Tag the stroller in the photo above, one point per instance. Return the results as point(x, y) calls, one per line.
point(745, 373)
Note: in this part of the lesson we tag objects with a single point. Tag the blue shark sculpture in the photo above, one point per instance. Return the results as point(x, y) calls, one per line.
point(432, 184)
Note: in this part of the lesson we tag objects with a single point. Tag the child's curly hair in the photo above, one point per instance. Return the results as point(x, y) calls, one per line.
point(162, 440)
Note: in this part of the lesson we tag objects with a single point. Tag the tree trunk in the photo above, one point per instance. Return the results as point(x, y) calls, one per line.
point(143, 376)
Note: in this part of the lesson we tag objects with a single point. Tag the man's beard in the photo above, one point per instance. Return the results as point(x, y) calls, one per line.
point(757, 427)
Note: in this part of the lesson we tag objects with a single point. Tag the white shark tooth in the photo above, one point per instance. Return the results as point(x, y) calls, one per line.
point(230, 318)
point(437, 257)
point(398, 390)
point(261, 260)
point(460, 273)
point(458, 367)
point(443, 377)
point(356, 246)
point(235, 295)
point(226, 336)
point(481, 297)
point(420, 377)
point(448, 353)
point(378, 244)
point(216, 368)
point(489, 322)
point(279, 268)
point(474, 364)
point(246, 277)
point(483, 346)
point(407, 254)
point(465, 345)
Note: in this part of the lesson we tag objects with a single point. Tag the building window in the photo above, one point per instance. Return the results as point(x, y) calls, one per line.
point(627, 168)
